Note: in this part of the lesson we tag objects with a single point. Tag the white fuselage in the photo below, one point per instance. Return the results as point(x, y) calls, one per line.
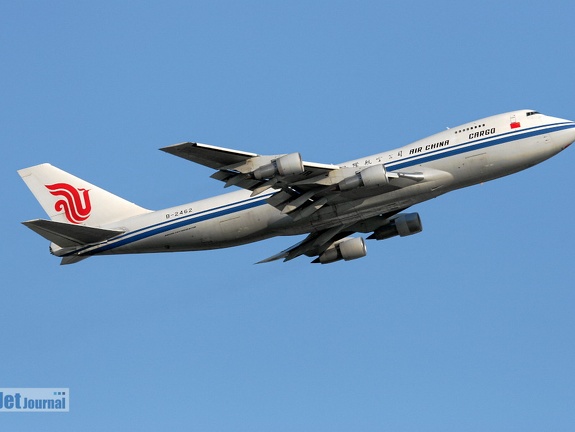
point(468, 154)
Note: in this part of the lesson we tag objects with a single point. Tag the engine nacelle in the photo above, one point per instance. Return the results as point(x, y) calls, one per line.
point(405, 224)
point(287, 165)
point(346, 249)
point(375, 175)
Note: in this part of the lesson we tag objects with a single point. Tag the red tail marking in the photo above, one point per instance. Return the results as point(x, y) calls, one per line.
point(76, 207)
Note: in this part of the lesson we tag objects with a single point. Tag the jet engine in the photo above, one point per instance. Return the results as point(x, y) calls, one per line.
point(287, 165)
point(375, 175)
point(347, 249)
point(403, 225)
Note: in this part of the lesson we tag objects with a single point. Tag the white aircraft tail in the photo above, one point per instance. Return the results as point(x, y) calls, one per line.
point(71, 200)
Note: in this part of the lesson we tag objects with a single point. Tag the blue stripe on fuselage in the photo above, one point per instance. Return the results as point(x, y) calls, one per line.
point(149, 231)
point(477, 145)
point(162, 227)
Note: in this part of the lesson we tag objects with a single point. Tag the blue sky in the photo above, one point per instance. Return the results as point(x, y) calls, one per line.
point(466, 326)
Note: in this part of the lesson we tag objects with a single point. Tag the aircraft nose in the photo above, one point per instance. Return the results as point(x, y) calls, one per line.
point(570, 135)
point(565, 136)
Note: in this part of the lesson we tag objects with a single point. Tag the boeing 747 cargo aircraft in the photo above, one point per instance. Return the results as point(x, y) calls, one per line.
point(282, 195)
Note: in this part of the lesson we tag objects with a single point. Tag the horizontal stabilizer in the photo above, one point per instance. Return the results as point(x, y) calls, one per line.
point(67, 235)
point(72, 259)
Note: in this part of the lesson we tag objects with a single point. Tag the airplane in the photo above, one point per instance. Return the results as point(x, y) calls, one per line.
point(282, 195)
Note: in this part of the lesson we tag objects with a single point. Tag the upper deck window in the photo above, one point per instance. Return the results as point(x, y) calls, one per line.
point(530, 113)
point(469, 128)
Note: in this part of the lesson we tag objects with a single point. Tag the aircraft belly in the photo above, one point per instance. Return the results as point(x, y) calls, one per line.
point(505, 159)
point(489, 163)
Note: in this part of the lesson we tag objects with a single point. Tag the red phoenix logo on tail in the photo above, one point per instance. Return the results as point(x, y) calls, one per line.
point(76, 207)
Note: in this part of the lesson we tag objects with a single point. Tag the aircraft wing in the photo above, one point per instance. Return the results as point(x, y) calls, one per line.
point(237, 167)
point(335, 243)
point(302, 188)
point(297, 181)
point(314, 244)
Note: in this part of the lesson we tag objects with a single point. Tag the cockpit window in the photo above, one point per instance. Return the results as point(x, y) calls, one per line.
point(530, 113)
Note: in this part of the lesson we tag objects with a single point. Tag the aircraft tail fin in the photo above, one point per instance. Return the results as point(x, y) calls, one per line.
point(71, 200)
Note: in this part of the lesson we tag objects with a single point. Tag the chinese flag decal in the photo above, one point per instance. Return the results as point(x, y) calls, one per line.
point(515, 125)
